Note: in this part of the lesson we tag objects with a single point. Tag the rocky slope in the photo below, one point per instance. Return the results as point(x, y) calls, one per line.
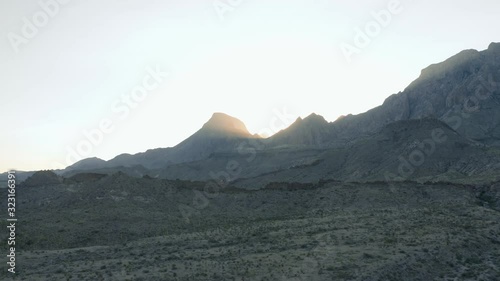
point(463, 91)
point(423, 149)
point(222, 132)
point(41, 178)
point(313, 130)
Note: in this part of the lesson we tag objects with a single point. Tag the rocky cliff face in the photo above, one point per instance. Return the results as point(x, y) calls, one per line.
point(313, 130)
point(463, 91)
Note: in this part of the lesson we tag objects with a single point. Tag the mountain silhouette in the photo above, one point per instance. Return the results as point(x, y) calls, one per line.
point(311, 131)
point(221, 132)
point(224, 125)
point(463, 91)
point(460, 96)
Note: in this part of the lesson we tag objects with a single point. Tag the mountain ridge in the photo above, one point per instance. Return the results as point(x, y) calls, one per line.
point(421, 99)
point(220, 132)
point(443, 91)
point(221, 123)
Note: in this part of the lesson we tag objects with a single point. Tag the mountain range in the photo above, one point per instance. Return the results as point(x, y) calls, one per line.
point(409, 190)
point(460, 97)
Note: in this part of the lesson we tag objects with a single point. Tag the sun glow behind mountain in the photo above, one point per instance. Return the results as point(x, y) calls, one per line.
point(265, 63)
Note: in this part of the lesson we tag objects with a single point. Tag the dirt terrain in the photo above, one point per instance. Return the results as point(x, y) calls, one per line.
point(122, 228)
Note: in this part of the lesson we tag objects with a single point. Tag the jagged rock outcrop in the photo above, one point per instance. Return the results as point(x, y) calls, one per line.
point(313, 130)
point(42, 178)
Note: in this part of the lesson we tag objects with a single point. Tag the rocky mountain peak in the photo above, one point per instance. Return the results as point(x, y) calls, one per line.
point(88, 163)
point(454, 63)
point(312, 130)
point(221, 122)
point(312, 120)
point(315, 119)
point(495, 47)
point(41, 178)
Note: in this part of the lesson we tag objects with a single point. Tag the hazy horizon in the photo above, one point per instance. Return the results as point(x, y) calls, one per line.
point(253, 61)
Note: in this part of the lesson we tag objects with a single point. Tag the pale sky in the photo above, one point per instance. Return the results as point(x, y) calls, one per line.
point(251, 59)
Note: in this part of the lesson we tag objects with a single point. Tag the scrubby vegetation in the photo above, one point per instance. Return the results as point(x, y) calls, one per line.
point(122, 228)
